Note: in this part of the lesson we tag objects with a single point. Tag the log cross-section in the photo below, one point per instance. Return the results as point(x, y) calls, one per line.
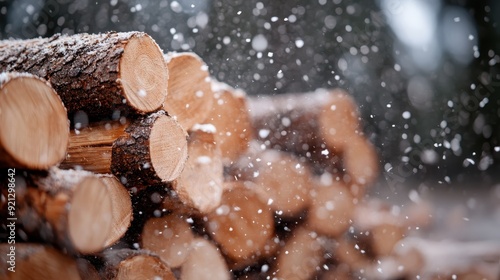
point(95, 73)
point(34, 126)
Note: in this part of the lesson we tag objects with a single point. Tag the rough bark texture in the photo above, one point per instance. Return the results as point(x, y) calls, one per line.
point(35, 127)
point(85, 69)
point(140, 161)
point(36, 261)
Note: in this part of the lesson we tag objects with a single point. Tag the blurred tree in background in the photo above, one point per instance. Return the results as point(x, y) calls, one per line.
point(425, 73)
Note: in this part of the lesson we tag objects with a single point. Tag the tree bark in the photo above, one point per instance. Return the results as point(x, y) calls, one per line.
point(34, 122)
point(94, 73)
point(190, 95)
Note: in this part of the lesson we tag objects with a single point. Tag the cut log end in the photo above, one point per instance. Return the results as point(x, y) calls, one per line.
point(168, 148)
point(89, 232)
point(144, 267)
point(190, 96)
point(205, 259)
point(143, 74)
point(169, 237)
point(31, 111)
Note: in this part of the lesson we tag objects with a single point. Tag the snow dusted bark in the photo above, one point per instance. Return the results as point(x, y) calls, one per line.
point(96, 73)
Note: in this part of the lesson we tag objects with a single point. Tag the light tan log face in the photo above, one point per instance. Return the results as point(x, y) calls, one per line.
point(205, 259)
point(230, 117)
point(190, 95)
point(242, 223)
point(35, 126)
point(169, 237)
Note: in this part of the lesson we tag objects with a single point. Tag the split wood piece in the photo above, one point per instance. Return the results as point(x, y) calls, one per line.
point(230, 117)
point(134, 264)
point(332, 209)
point(169, 237)
point(90, 148)
point(94, 73)
point(36, 261)
point(301, 257)
point(190, 95)
point(281, 180)
point(150, 150)
point(205, 260)
point(242, 224)
point(315, 125)
point(199, 186)
point(75, 210)
point(34, 122)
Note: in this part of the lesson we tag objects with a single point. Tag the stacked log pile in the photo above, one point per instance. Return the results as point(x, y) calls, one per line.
point(134, 164)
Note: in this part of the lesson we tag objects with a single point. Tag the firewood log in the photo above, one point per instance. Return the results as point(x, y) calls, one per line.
point(230, 117)
point(320, 127)
point(301, 257)
point(205, 261)
point(36, 261)
point(332, 209)
point(34, 122)
point(74, 210)
point(242, 224)
point(150, 150)
point(199, 187)
point(190, 95)
point(281, 180)
point(94, 73)
point(169, 237)
point(134, 264)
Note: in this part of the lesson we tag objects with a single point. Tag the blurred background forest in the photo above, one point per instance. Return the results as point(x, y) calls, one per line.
point(425, 73)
